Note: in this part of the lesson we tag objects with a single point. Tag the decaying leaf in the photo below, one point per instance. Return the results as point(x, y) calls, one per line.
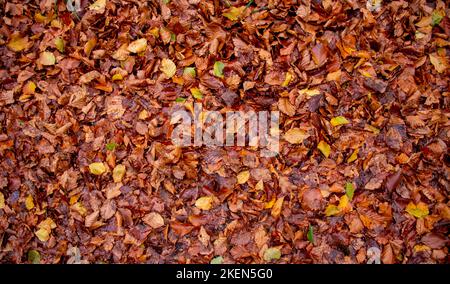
point(138, 46)
point(271, 254)
point(119, 173)
point(47, 58)
point(418, 210)
point(324, 148)
point(295, 135)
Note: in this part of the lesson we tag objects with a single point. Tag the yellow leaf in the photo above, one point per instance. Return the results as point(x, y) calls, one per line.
point(118, 173)
point(276, 209)
point(121, 54)
point(371, 128)
point(287, 80)
point(18, 43)
point(204, 203)
point(79, 208)
point(47, 58)
point(270, 204)
point(271, 254)
point(295, 136)
point(98, 5)
point(138, 46)
point(59, 44)
point(143, 115)
point(353, 156)
point(259, 185)
point(419, 248)
point(419, 210)
point(324, 148)
point(168, 67)
point(332, 210)
point(243, 177)
point(339, 120)
point(43, 235)
point(48, 224)
point(308, 92)
point(233, 13)
point(2, 201)
point(29, 204)
point(89, 45)
point(29, 88)
point(439, 62)
point(97, 168)
point(344, 203)
point(117, 77)
point(196, 93)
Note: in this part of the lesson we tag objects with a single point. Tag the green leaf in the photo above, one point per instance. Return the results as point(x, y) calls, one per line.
point(34, 257)
point(111, 146)
point(437, 17)
point(310, 234)
point(271, 254)
point(218, 69)
point(196, 93)
point(189, 71)
point(349, 190)
point(166, 1)
point(217, 260)
point(180, 100)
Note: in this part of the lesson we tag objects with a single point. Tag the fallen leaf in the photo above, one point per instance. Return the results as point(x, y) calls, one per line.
point(295, 136)
point(204, 203)
point(98, 5)
point(277, 206)
point(419, 210)
point(217, 260)
point(18, 43)
point(439, 62)
point(324, 148)
point(34, 257)
point(2, 201)
point(233, 13)
point(47, 58)
point(339, 120)
point(97, 168)
point(243, 177)
point(168, 67)
point(29, 204)
point(218, 69)
point(119, 173)
point(154, 220)
point(272, 253)
point(139, 46)
point(59, 44)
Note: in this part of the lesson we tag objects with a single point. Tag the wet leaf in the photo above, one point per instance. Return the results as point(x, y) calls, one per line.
point(97, 168)
point(437, 16)
point(168, 67)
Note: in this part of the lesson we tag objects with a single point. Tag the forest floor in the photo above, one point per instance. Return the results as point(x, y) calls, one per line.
point(89, 173)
